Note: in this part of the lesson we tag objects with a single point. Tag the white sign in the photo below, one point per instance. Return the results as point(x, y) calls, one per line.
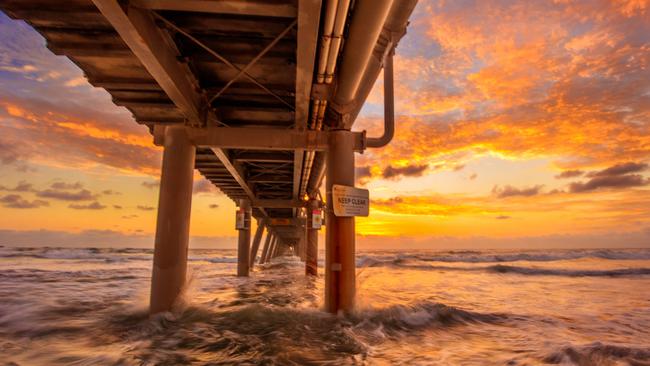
point(316, 218)
point(240, 219)
point(350, 201)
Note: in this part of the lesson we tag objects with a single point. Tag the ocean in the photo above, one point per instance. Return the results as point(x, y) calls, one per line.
point(88, 306)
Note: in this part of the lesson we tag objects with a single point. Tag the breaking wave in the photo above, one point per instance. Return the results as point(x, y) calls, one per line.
point(471, 256)
point(599, 354)
point(503, 268)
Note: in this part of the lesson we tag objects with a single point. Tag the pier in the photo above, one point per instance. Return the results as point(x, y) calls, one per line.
point(260, 97)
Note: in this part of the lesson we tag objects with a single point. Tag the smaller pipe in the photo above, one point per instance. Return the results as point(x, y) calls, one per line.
point(389, 107)
point(326, 38)
point(336, 39)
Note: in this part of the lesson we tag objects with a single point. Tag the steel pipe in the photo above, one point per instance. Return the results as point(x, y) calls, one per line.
point(367, 22)
point(389, 107)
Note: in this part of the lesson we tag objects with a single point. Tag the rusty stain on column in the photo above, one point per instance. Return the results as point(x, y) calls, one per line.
point(340, 276)
point(173, 223)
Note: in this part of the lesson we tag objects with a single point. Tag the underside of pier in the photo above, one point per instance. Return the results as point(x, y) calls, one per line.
point(259, 96)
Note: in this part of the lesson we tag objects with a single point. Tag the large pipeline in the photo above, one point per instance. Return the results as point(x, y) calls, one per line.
point(393, 28)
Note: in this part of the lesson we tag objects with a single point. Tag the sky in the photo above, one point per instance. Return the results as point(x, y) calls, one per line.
point(519, 124)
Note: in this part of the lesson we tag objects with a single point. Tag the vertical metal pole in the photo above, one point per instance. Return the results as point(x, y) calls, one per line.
point(243, 247)
point(311, 257)
point(173, 223)
point(256, 242)
point(265, 249)
point(340, 276)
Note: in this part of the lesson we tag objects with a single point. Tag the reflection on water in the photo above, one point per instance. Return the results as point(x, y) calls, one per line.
point(88, 307)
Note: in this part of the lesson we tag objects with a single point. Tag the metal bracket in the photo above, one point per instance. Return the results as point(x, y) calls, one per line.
point(321, 91)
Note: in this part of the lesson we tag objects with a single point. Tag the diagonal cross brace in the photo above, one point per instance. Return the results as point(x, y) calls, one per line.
point(254, 60)
point(221, 58)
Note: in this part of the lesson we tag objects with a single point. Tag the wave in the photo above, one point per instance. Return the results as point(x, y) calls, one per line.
point(537, 256)
point(599, 354)
point(568, 272)
point(502, 268)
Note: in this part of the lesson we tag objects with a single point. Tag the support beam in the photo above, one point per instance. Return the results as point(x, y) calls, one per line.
point(243, 246)
point(256, 242)
point(234, 7)
point(173, 223)
point(311, 258)
point(269, 203)
point(265, 138)
point(340, 268)
point(157, 53)
point(265, 157)
point(225, 160)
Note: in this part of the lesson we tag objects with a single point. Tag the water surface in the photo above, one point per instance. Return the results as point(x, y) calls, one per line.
point(88, 307)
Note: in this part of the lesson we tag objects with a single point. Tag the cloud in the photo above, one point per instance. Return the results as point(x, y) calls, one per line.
point(22, 186)
point(145, 208)
point(620, 169)
point(616, 177)
point(614, 181)
point(570, 174)
point(110, 192)
point(16, 201)
point(434, 205)
point(363, 174)
point(117, 207)
point(510, 191)
point(563, 80)
point(91, 206)
point(415, 170)
point(132, 216)
point(213, 205)
point(66, 186)
point(151, 184)
point(65, 195)
point(204, 186)
point(473, 176)
point(503, 217)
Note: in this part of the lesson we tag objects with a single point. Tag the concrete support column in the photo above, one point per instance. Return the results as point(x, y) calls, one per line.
point(268, 249)
point(265, 248)
point(256, 241)
point(276, 248)
point(340, 276)
point(173, 223)
point(243, 247)
point(311, 257)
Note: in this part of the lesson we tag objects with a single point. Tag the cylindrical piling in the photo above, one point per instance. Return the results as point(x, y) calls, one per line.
point(256, 242)
point(173, 223)
point(265, 249)
point(340, 276)
point(243, 247)
point(311, 257)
